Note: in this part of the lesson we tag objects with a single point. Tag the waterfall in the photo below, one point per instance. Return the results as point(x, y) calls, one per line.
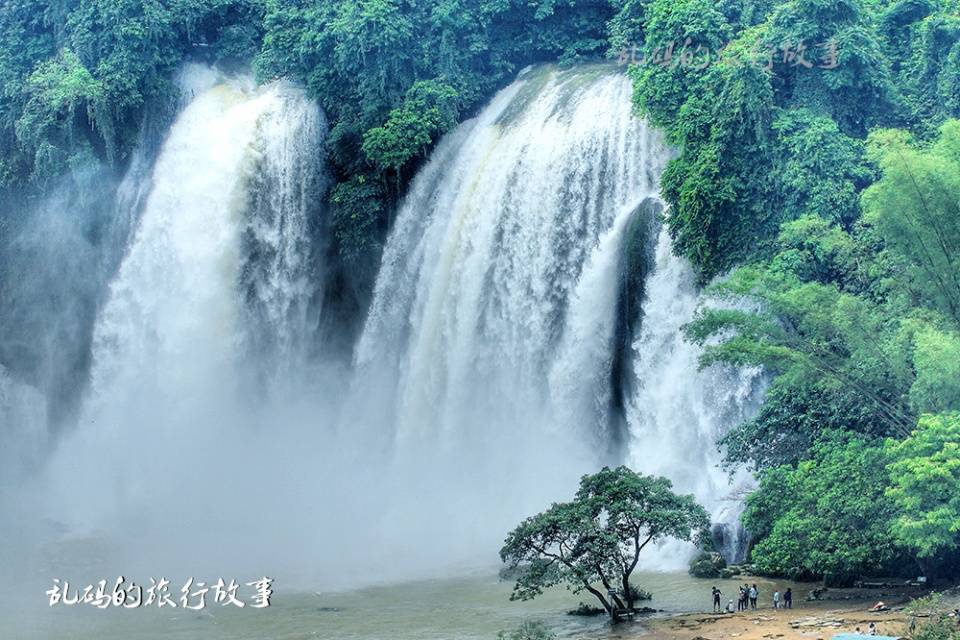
point(216, 296)
point(225, 235)
point(525, 329)
point(483, 372)
point(678, 412)
point(498, 283)
point(526, 322)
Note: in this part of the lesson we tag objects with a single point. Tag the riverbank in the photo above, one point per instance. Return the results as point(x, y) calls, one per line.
point(839, 610)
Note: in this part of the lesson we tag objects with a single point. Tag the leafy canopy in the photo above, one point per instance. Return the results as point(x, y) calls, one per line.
point(827, 517)
point(925, 474)
point(596, 539)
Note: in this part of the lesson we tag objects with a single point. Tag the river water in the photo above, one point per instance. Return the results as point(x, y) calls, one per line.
point(475, 607)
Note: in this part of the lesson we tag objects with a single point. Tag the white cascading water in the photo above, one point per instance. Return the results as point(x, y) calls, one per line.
point(489, 341)
point(216, 288)
point(499, 279)
point(679, 412)
point(491, 333)
point(212, 243)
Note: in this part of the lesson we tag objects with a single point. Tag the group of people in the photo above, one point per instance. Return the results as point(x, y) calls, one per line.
point(748, 599)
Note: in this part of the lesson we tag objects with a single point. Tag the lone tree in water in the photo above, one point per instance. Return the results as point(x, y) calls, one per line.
point(593, 543)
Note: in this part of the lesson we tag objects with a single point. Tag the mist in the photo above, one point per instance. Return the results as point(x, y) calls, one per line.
point(213, 433)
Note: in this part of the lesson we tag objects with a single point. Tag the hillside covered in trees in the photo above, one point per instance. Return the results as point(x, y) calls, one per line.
point(817, 178)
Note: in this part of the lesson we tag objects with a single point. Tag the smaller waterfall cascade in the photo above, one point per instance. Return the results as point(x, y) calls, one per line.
point(679, 412)
point(225, 232)
point(285, 236)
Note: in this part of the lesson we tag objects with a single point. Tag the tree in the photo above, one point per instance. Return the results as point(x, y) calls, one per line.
point(797, 410)
point(825, 518)
point(809, 330)
point(596, 539)
point(61, 93)
point(936, 360)
point(915, 207)
point(428, 109)
point(925, 487)
point(76, 77)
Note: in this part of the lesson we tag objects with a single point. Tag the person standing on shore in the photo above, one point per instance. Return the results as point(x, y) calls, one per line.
point(788, 598)
point(754, 594)
point(716, 600)
point(776, 599)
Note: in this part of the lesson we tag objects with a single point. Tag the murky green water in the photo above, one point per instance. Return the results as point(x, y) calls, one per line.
point(468, 608)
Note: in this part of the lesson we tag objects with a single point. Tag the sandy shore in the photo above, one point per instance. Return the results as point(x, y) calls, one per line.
point(842, 610)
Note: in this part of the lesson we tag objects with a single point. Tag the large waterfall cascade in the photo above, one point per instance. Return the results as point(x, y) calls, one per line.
point(495, 302)
point(495, 311)
point(490, 371)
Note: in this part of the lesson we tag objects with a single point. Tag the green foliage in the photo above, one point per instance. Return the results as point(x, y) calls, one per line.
point(627, 28)
point(429, 109)
point(857, 321)
point(936, 360)
point(827, 517)
point(942, 628)
point(915, 207)
point(797, 410)
point(833, 314)
point(62, 97)
point(923, 44)
point(366, 62)
point(357, 210)
point(771, 128)
point(820, 170)
point(856, 93)
point(76, 76)
point(528, 630)
point(925, 473)
point(808, 330)
point(598, 536)
point(928, 619)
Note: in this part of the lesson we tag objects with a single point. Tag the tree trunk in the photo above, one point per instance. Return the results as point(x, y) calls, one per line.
point(627, 591)
point(609, 588)
point(926, 569)
point(610, 609)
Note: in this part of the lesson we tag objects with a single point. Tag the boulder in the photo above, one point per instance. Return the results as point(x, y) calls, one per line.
point(708, 564)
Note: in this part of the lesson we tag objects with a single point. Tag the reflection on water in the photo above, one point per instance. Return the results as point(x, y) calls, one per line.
point(471, 608)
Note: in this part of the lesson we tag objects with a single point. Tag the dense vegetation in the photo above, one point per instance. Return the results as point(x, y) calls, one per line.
point(819, 173)
point(78, 76)
point(837, 190)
